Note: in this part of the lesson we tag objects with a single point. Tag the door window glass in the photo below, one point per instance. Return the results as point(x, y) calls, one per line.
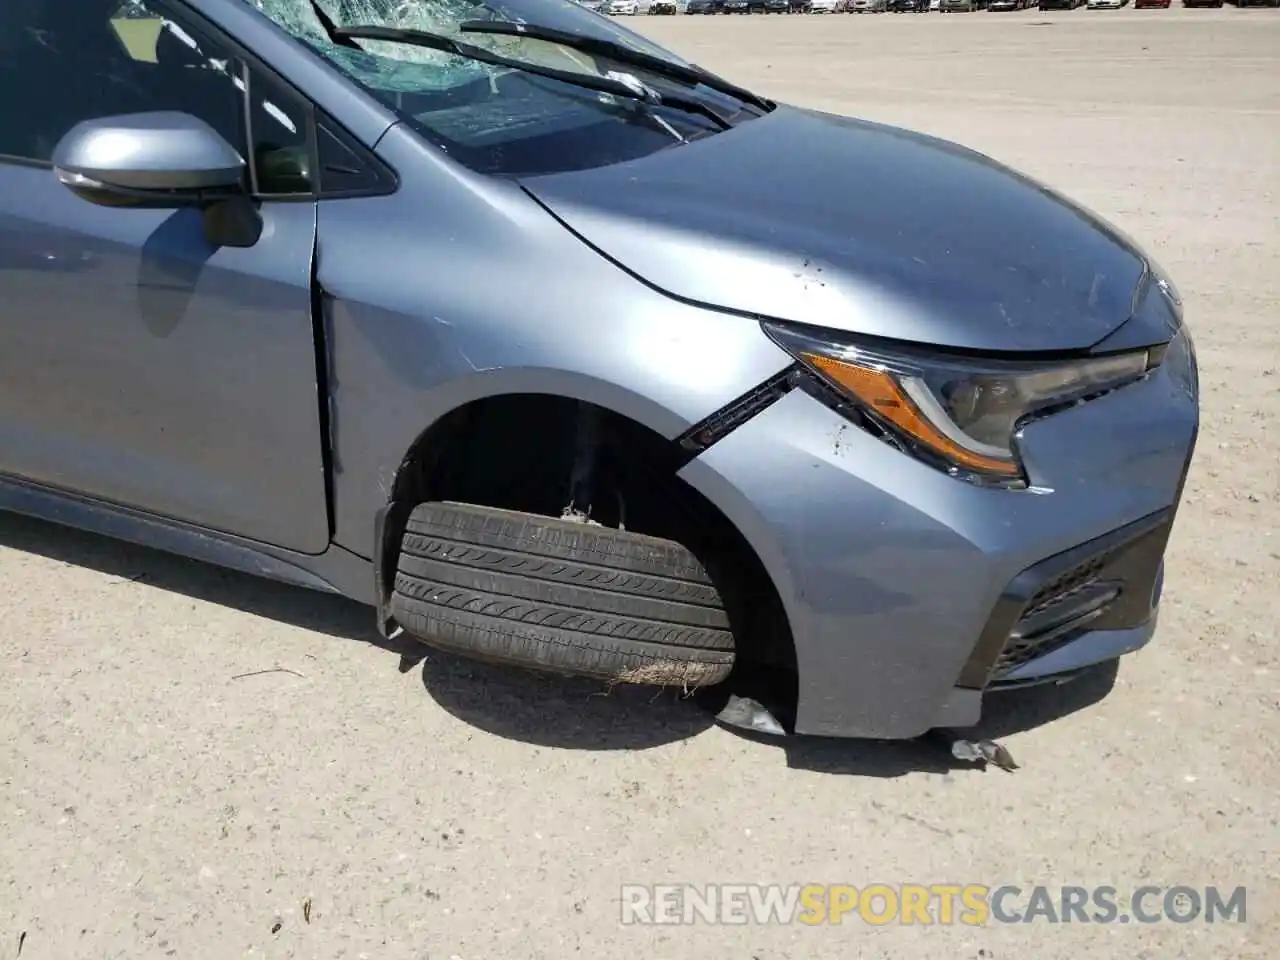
point(63, 63)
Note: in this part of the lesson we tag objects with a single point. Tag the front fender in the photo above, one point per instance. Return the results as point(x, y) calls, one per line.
point(459, 288)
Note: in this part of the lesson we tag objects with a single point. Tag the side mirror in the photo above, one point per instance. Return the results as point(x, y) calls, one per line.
point(161, 160)
point(148, 159)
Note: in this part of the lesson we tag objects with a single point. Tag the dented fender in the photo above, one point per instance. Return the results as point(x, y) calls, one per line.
point(453, 301)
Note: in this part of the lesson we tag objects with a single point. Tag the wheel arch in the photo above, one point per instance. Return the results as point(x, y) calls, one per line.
point(415, 447)
point(473, 414)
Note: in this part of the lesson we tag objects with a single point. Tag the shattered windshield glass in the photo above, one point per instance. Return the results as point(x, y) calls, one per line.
point(400, 67)
point(496, 118)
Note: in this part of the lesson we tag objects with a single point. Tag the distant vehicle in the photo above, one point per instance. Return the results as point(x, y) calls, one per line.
point(826, 6)
point(622, 8)
point(777, 6)
point(663, 8)
point(959, 6)
point(907, 6)
point(801, 6)
point(1143, 4)
point(1105, 4)
point(595, 6)
point(868, 6)
point(1059, 4)
point(739, 6)
point(996, 5)
point(704, 7)
point(1201, 3)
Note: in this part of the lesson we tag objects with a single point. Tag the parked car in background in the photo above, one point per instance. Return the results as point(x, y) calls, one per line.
point(868, 6)
point(743, 6)
point(663, 8)
point(1144, 4)
point(958, 6)
point(1000, 5)
point(1105, 4)
point(703, 7)
point(826, 6)
point(622, 8)
point(777, 6)
point(595, 6)
point(1202, 3)
point(801, 6)
point(1059, 4)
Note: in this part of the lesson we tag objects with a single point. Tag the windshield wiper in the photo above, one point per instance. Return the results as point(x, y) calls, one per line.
point(622, 54)
point(625, 86)
point(330, 28)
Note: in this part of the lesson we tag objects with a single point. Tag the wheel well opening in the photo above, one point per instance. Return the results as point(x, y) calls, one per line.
point(519, 451)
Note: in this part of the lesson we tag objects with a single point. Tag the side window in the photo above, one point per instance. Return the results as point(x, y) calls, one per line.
point(59, 66)
point(282, 131)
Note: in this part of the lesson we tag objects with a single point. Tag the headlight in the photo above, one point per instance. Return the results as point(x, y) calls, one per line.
point(961, 415)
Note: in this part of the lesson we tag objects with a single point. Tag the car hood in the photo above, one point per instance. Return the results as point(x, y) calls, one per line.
point(860, 227)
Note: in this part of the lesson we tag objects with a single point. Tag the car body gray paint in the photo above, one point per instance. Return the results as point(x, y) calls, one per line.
point(142, 379)
point(448, 292)
point(336, 570)
point(865, 228)
point(888, 568)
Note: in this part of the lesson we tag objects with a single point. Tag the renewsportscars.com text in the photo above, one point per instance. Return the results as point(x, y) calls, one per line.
point(927, 904)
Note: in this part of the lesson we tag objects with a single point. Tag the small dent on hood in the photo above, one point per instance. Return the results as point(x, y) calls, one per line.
point(838, 444)
point(808, 273)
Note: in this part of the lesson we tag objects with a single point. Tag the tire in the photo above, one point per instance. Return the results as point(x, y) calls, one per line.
point(563, 597)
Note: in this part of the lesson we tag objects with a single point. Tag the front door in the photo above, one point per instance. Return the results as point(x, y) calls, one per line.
point(139, 364)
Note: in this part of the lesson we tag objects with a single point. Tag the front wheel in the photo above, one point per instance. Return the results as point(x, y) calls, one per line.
point(560, 596)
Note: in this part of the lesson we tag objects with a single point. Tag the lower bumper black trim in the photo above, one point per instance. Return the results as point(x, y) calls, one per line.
point(1126, 560)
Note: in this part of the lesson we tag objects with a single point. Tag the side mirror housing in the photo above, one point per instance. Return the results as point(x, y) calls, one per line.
point(162, 159)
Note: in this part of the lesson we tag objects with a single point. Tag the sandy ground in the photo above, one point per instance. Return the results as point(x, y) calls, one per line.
point(156, 803)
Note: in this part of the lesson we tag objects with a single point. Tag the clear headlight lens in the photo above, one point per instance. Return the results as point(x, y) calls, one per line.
point(960, 414)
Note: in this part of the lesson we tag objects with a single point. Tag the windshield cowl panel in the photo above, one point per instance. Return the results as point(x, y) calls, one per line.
point(500, 119)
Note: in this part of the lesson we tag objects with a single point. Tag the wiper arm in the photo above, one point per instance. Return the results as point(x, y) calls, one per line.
point(330, 28)
point(630, 87)
point(617, 51)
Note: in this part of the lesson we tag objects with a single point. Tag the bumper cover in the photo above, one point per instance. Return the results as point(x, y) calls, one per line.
point(910, 593)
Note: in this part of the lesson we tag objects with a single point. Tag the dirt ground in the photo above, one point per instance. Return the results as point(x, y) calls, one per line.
point(159, 796)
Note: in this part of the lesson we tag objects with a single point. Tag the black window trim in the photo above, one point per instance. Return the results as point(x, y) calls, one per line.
point(250, 63)
point(387, 180)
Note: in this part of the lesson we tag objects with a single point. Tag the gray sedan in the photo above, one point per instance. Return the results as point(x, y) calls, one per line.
point(562, 352)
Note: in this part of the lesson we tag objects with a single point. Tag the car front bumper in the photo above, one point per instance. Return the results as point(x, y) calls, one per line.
point(911, 594)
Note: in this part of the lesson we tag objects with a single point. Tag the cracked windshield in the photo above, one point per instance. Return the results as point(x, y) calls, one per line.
point(505, 104)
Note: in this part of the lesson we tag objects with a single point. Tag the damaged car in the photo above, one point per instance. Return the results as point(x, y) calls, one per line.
point(560, 351)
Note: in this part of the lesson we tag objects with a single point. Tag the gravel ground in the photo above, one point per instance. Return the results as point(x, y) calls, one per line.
point(160, 798)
